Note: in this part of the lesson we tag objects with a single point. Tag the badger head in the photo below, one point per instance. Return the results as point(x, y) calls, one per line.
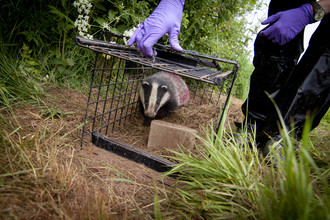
point(153, 96)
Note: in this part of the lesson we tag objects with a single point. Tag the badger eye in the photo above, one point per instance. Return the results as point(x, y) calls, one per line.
point(146, 102)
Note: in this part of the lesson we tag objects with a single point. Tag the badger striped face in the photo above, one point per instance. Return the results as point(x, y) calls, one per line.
point(153, 97)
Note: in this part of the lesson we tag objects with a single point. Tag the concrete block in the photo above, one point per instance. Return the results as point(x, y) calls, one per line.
point(165, 135)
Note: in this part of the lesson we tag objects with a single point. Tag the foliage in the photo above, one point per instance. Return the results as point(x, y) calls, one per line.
point(226, 182)
point(242, 83)
point(39, 25)
point(210, 20)
point(47, 30)
point(20, 77)
point(220, 29)
point(40, 177)
point(230, 181)
point(221, 183)
point(119, 16)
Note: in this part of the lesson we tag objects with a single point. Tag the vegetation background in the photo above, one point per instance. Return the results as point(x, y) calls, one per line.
point(37, 48)
point(37, 39)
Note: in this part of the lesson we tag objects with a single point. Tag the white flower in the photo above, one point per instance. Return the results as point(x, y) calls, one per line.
point(83, 8)
point(129, 33)
point(125, 41)
point(105, 26)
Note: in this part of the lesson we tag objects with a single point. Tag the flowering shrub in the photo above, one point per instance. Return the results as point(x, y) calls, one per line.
point(83, 7)
point(117, 17)
point(129, 33)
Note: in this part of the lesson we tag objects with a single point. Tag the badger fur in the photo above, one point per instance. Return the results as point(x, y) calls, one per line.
point(162, 94)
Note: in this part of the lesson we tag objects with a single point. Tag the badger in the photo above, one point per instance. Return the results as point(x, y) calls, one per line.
point(162, 94)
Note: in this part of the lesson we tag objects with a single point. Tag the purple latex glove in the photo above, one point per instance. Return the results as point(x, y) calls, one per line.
point(287, 24)
point(166, 18)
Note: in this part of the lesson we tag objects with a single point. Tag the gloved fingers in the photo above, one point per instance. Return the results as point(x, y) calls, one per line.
point(284, 26)
point(139, 37)
point(148, 41)
point(132, 39)
point(274, 34)
point(265, 33)
point(284, 40)
point(174, 39)
point(269, 32)
point(276, 39)
point(272, 18)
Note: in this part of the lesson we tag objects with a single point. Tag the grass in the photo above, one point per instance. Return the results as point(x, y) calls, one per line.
point(228, 182)
point(22, 76)
point(40, 180)
point(15, 83)
point(231, 181)
point(221, 183)
point(42, 175)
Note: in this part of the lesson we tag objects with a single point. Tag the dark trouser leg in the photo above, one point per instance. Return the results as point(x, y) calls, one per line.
point(273, 65)
point(308, 87)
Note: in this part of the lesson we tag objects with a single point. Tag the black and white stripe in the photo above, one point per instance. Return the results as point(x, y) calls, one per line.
point(158, 96)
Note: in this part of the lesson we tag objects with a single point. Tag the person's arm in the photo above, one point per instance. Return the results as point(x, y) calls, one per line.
point(166, 18)
point(325, 4)
point(285, 25)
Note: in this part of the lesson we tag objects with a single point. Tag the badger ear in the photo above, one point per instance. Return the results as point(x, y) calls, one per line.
point(164, 87)
point(145, 83)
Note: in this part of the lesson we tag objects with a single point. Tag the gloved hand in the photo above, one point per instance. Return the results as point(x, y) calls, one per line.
point(287, 24)
point(166, 18)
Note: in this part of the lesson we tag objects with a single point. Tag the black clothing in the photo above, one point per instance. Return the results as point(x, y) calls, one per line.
point(297, 88)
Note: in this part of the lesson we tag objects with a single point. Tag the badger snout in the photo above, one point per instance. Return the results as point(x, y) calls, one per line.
point(150, 114)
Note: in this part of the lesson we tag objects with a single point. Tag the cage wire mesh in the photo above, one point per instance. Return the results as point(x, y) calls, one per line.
point(118, 70)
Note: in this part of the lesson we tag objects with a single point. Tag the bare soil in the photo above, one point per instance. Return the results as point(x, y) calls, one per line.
point(71, 107)
point(61, 117)
point(121, 186)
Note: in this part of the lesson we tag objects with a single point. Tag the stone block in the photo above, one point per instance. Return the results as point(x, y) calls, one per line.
point(165, 135)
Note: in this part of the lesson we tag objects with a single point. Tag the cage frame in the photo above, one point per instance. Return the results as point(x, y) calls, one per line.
point(193, 64)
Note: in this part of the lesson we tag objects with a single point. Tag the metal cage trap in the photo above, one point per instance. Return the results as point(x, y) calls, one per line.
point(118, 70)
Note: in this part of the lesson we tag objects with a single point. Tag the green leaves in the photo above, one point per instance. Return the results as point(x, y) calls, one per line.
point(219, 182)
point(226, 180)
point(62, 65)
point(59, 14)
point(100, 21)
point(111, 15)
